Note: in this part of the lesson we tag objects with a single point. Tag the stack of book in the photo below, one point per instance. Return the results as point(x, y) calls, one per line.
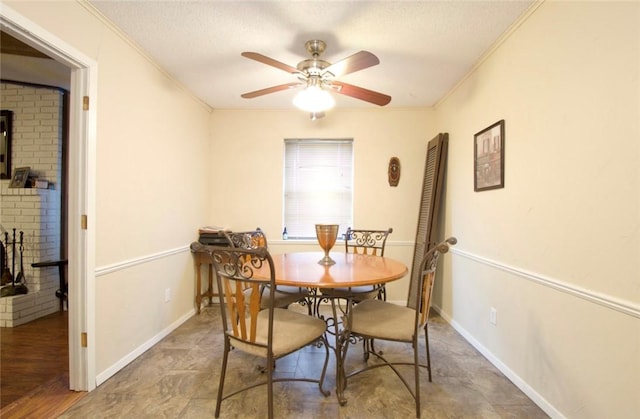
point(213, 236)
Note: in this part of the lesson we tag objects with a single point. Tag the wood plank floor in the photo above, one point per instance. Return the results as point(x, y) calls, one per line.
point(34, 368)
point(48, 400)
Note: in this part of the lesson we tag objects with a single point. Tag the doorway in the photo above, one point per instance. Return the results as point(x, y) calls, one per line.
point(80, 197)
point(34, 326)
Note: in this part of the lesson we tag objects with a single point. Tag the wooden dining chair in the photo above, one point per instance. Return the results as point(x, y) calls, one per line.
point(361, 241)
point(382, 320)
point(367, 242)
point(269, 333)
point(284, 295)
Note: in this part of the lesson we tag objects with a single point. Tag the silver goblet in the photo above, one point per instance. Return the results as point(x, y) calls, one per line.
point(327, 235)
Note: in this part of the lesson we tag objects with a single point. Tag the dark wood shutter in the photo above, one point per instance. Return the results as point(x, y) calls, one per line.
point(429, 206)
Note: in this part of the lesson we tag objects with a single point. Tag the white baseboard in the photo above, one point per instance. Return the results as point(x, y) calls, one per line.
point(131, 356)
point(542, 403)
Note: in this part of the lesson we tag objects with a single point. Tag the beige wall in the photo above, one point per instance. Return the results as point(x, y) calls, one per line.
point(557, 251)
point(151, 185)
point(246, 163)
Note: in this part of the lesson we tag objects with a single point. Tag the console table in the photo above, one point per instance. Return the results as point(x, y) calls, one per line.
point(203, 258)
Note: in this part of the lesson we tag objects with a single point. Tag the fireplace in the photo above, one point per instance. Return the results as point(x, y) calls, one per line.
point(37, 142)
point(35, 212)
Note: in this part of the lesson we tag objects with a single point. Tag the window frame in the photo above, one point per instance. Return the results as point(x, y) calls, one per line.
point(302, 153)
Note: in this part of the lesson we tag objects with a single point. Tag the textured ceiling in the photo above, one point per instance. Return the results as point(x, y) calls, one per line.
point(424, 47)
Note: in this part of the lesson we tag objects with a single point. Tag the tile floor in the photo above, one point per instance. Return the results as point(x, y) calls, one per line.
point(178, 378)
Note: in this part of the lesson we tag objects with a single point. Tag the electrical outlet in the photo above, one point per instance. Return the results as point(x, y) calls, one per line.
point(167, 295)
point(493, 316)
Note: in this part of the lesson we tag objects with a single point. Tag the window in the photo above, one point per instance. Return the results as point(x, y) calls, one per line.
point(318, 185)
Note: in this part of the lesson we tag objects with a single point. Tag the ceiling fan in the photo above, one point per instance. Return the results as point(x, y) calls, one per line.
point(319, 78)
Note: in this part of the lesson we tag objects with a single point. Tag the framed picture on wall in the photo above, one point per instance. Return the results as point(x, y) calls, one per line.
point(19, 178)
point(488, 162)
point(6, 121)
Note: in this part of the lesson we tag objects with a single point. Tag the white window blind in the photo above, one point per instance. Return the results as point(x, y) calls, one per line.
point(318, 185)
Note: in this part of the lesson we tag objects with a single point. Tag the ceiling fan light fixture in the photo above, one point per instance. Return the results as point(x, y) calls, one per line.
point(318, 76)
point(316, 115)
point(314, 99)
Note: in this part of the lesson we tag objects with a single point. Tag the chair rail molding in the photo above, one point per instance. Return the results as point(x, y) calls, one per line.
point(126, 264)
point(623, 306)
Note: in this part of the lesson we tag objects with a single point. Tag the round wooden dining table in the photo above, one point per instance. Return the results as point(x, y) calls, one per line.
point(302, 270)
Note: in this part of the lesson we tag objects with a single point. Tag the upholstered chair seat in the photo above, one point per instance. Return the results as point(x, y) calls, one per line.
point(382, 320)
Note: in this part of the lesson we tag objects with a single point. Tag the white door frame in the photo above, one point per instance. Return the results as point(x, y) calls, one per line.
point(81, 193)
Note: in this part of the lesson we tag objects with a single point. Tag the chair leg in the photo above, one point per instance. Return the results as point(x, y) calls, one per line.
point(270, 362)
point(368, 347)
point(416, 366)
point(310, 306)
point(316, 306)
point(222, 375)
point(373, 348)
point(426, 339)
point(382, 293)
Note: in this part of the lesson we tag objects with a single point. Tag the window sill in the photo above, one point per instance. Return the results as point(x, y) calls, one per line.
point(294, 242)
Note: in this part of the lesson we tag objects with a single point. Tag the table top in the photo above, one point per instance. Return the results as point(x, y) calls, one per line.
point(301, 269)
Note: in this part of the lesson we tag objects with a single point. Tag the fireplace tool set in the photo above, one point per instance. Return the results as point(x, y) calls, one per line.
point(12, 284)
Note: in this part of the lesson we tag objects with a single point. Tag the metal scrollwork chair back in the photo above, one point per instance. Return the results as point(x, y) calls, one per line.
point(269, 333)
point(368, 242)
point(381, 320)
point(254, 239)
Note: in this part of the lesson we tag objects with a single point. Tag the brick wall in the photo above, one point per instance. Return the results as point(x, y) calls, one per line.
point(36, 143)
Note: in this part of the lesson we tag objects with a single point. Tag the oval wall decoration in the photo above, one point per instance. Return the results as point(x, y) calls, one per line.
point(394, 171)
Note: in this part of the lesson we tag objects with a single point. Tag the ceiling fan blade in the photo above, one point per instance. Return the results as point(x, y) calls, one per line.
point(356, 62)
point(361, 93)
point(272, 89)
point(270, 61)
